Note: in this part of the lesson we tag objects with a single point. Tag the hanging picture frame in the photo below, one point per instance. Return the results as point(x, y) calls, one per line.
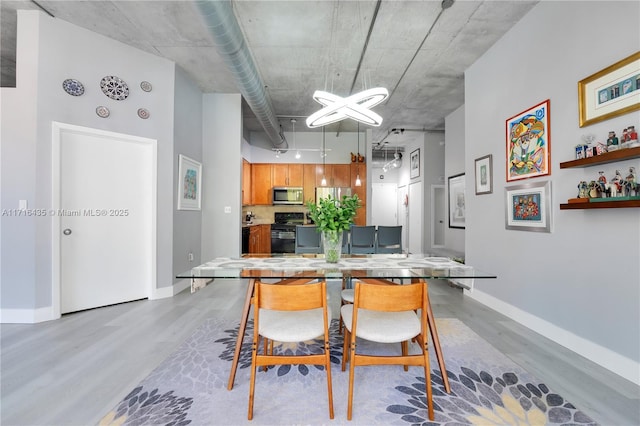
point(610, 92)
point(484, 175)
point(528, 207)
point(457, 213)
point(189, 183)
point(414, 169)
point(528, 143)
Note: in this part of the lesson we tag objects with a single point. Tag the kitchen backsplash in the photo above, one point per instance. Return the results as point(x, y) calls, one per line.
point(265, 214)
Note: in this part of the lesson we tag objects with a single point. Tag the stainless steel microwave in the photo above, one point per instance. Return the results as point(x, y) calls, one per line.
point(287, 195)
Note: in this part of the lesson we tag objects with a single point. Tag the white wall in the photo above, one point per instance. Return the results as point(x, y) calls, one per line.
point(579, 284)
point(455, 164)
point(45, 59)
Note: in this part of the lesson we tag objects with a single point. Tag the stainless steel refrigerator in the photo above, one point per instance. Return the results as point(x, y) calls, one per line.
point(335, 192)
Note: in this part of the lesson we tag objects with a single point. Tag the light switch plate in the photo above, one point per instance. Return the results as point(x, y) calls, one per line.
point(227, 209)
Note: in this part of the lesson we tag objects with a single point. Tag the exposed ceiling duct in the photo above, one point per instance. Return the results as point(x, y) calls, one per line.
point(222, 24)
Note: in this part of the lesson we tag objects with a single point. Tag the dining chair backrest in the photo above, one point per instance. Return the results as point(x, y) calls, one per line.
point(363, 239)
point(389, 239)
point(345, 242)
point(307, 239)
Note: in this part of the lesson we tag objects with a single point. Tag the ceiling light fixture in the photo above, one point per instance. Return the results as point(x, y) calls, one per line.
point(356, 106)
point(323, 182)
point(358, 181)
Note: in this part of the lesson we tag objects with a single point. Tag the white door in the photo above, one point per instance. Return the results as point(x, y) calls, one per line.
point(438, 215)
point(106, 218)
point(415, 218)
point(384, 204)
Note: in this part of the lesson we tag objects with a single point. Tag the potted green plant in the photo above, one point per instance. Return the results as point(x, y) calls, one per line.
point(332, 217)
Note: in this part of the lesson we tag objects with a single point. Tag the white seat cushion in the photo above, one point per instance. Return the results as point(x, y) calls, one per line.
point(291, 326)
point(383, 327)
point(347, 295)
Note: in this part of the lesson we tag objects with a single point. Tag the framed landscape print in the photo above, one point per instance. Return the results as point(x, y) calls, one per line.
point(484, 175)
point(415, 164)
point(528, 207)
point(189, 183)
point(528, 143)
point(610, 92)
point(456, 201)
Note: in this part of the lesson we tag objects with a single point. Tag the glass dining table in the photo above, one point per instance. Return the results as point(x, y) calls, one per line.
point(392, 269)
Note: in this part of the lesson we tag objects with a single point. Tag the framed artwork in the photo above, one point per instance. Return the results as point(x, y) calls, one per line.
point(610, 92)
point(528, 207)
point(484, 175)
point(189, 183)
point(415, 164)
point(456, 201)
point(528, 143)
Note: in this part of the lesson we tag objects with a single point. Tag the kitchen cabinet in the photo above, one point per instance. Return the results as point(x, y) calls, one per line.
point(361, 191)
point(261, 184)
point(260, 239)
point(283, 174)
point(246, 183)
point(608, 157)
point(337, 175)
point(309, 183)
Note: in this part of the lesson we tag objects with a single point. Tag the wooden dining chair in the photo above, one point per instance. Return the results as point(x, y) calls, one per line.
point(289, 313)
point(387, 313)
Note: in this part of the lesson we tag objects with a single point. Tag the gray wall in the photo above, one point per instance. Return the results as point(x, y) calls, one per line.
point(455, 164)
point(187, 224)
point(45, 59)
point(580, 284)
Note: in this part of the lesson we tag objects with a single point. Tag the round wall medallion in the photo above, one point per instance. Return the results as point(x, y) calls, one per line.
point(143, 113)
point(146, 86)
point(73, 87)
point(114, 87)
point(103, 111)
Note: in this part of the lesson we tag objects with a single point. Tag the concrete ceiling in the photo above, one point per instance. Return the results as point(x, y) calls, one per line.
point(418, 50)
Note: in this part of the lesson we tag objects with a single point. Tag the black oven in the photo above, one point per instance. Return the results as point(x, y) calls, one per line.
point(283, 232)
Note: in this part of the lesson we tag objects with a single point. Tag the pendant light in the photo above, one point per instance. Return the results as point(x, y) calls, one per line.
point(358, 181)
point(323, 182)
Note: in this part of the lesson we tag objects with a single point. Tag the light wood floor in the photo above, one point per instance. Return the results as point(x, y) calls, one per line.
point(72, 371)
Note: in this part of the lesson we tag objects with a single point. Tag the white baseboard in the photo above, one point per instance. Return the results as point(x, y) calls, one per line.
point(612, 361)
point(27, 316)
point(32, 316)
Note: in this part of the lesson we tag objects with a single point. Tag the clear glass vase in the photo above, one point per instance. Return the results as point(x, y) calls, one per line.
point(332, 245)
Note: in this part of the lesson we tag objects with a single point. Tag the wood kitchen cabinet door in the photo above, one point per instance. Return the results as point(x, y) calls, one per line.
point(309, 183)
point(246, 183)
point(261, 184)
point(286, 174)
point(340, 175)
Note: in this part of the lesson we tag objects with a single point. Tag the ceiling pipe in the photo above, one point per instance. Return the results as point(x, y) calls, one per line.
point(222, 24)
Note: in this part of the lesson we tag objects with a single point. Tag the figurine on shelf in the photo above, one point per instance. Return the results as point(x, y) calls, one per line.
point(632, 135)
point(594, 189)
point(616, 184)
point(583, 189)
point(623, 138)
point(612, 139)
point(630, 183)
point(602, 182)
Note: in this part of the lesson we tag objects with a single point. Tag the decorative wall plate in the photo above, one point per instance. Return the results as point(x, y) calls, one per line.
point(114, 87)
point(146, 86)
point(103, 111)
point(143, 113)
point(73, 87)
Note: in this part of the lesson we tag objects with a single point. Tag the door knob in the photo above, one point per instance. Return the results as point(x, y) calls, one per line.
point(67, 231)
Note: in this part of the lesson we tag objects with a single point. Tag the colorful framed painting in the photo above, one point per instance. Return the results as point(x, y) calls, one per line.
point(484, 175)
point(189, 183)
point(529, 143)
point(610, 92)
point(528, 207)
point(457, 213)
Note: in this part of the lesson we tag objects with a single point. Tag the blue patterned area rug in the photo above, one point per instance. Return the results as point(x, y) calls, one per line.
point(189, 387)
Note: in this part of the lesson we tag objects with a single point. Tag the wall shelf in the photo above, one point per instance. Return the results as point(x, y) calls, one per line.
point(601, 205)
point(607, 157)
